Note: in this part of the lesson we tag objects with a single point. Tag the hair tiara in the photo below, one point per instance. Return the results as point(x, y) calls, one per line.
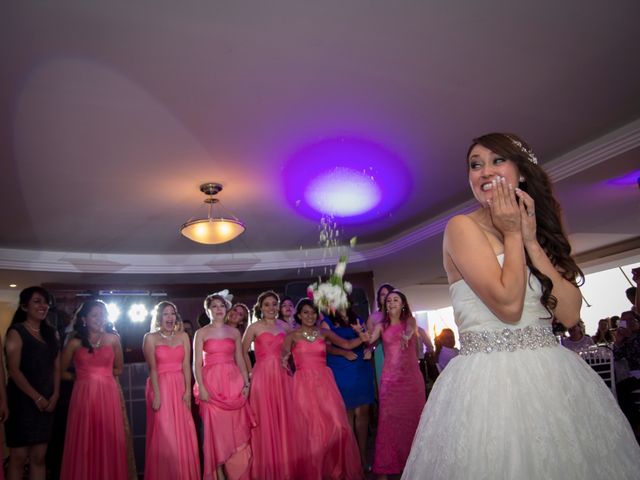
point(526, 151)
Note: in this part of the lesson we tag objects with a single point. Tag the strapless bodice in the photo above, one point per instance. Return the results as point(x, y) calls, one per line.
point(169, 359)
point(310, 355)
point(218, 350)
point(99, 363)
point(268, 345)
point(472, 315)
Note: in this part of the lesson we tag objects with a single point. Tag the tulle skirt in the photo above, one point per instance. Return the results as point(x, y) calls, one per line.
point(527, 414)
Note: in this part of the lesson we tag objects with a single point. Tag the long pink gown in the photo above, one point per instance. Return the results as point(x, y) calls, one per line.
point(171, 444)
point(327, 447)
point(402, 398)
point(271, 400)
point(95, 445)
point(227, 418)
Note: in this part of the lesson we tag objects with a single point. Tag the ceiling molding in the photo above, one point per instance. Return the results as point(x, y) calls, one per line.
point(608, 146)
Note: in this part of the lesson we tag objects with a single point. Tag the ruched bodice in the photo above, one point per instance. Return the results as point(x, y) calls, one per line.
point(268, 345)
point(169, 359)
point(472, 315)
point(310, 355)
point(96, 364)
point(218, 350)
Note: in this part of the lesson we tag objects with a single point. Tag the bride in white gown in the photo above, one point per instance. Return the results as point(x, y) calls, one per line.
point(514, 404)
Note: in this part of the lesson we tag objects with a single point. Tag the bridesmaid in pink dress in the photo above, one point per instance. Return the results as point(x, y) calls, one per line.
point(221, 389)
point(270, 398)
point(402, 390)
point(95, 444)
point(326, 446)
point(171, 445)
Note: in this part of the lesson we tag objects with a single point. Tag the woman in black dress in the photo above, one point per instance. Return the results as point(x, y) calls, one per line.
point(33, 363)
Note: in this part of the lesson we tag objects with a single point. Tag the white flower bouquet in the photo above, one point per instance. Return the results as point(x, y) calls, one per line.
point(331, 295)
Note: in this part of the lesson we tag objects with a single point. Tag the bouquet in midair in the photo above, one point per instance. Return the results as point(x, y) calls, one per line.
point(331, 296)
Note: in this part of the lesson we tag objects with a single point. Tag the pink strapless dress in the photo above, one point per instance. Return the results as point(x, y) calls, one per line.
point(325, 442)
point(226, 418)
point(95, 444)
point(271, 400)
point(171, 444)
point(402, 398)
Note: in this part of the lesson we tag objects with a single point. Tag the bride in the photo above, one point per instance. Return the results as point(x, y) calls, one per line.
point(514, 404)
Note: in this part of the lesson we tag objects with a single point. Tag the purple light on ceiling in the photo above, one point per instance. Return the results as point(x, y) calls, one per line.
point(631, 178)
point(356, 181)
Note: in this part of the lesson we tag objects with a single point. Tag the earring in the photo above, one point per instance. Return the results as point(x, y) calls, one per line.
point(521, 179)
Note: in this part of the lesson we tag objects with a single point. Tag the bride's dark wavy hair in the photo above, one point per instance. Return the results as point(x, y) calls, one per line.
point(549, 228)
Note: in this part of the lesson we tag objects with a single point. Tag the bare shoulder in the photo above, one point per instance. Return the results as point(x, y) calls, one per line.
point(293, 335)
point(13, 335)
point(150, 336)
point(459, 225)
point(251, 331)
point(283, 324)
point(232, 332)
point(111, 338)
point(73, 343)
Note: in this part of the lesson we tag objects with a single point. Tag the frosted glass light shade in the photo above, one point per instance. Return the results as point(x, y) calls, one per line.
point(212, 231)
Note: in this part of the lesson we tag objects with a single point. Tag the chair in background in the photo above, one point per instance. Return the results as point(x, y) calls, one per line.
point(600, 358)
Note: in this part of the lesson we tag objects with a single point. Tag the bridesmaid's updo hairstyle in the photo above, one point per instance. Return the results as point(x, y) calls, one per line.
point(47, 331)
point(215, 296)
point(257, 308)
point(80, 321)
point(300, 305)
point(156, 321)
point(549, 228)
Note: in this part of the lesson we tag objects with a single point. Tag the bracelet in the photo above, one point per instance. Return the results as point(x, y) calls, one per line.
point(39, 398)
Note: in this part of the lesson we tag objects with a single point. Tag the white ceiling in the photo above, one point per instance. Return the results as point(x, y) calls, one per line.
point(112, 114)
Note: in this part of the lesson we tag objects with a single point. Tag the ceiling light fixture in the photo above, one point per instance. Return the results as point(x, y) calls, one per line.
point(212, 230)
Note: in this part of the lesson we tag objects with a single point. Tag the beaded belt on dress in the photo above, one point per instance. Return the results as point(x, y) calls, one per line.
point(507, 340)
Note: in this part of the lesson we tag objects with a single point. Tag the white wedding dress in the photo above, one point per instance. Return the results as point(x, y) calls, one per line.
point(516, 405)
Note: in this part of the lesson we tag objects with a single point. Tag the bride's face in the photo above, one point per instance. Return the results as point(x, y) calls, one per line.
point(486, 166)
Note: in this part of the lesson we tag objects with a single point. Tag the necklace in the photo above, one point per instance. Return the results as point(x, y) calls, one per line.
point(34, 330)
point(98, 343)
point(310, 337)
point(167, 336)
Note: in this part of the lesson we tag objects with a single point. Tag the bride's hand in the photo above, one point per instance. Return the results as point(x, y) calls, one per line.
point(505, 212)
point(527, 217)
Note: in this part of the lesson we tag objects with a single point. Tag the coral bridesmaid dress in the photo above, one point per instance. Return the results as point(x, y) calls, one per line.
point(226, 418)
point(95, 445)
point(271, 400)
point(171, 443)
point(402, 398)
point(327, 446)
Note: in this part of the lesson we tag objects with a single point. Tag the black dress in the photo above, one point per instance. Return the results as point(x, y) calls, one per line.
point(26, 424)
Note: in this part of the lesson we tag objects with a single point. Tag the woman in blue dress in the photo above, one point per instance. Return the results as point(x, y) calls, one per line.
point(353, 374)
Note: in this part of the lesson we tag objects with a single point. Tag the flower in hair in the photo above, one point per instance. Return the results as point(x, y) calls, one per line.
point(225, 294)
